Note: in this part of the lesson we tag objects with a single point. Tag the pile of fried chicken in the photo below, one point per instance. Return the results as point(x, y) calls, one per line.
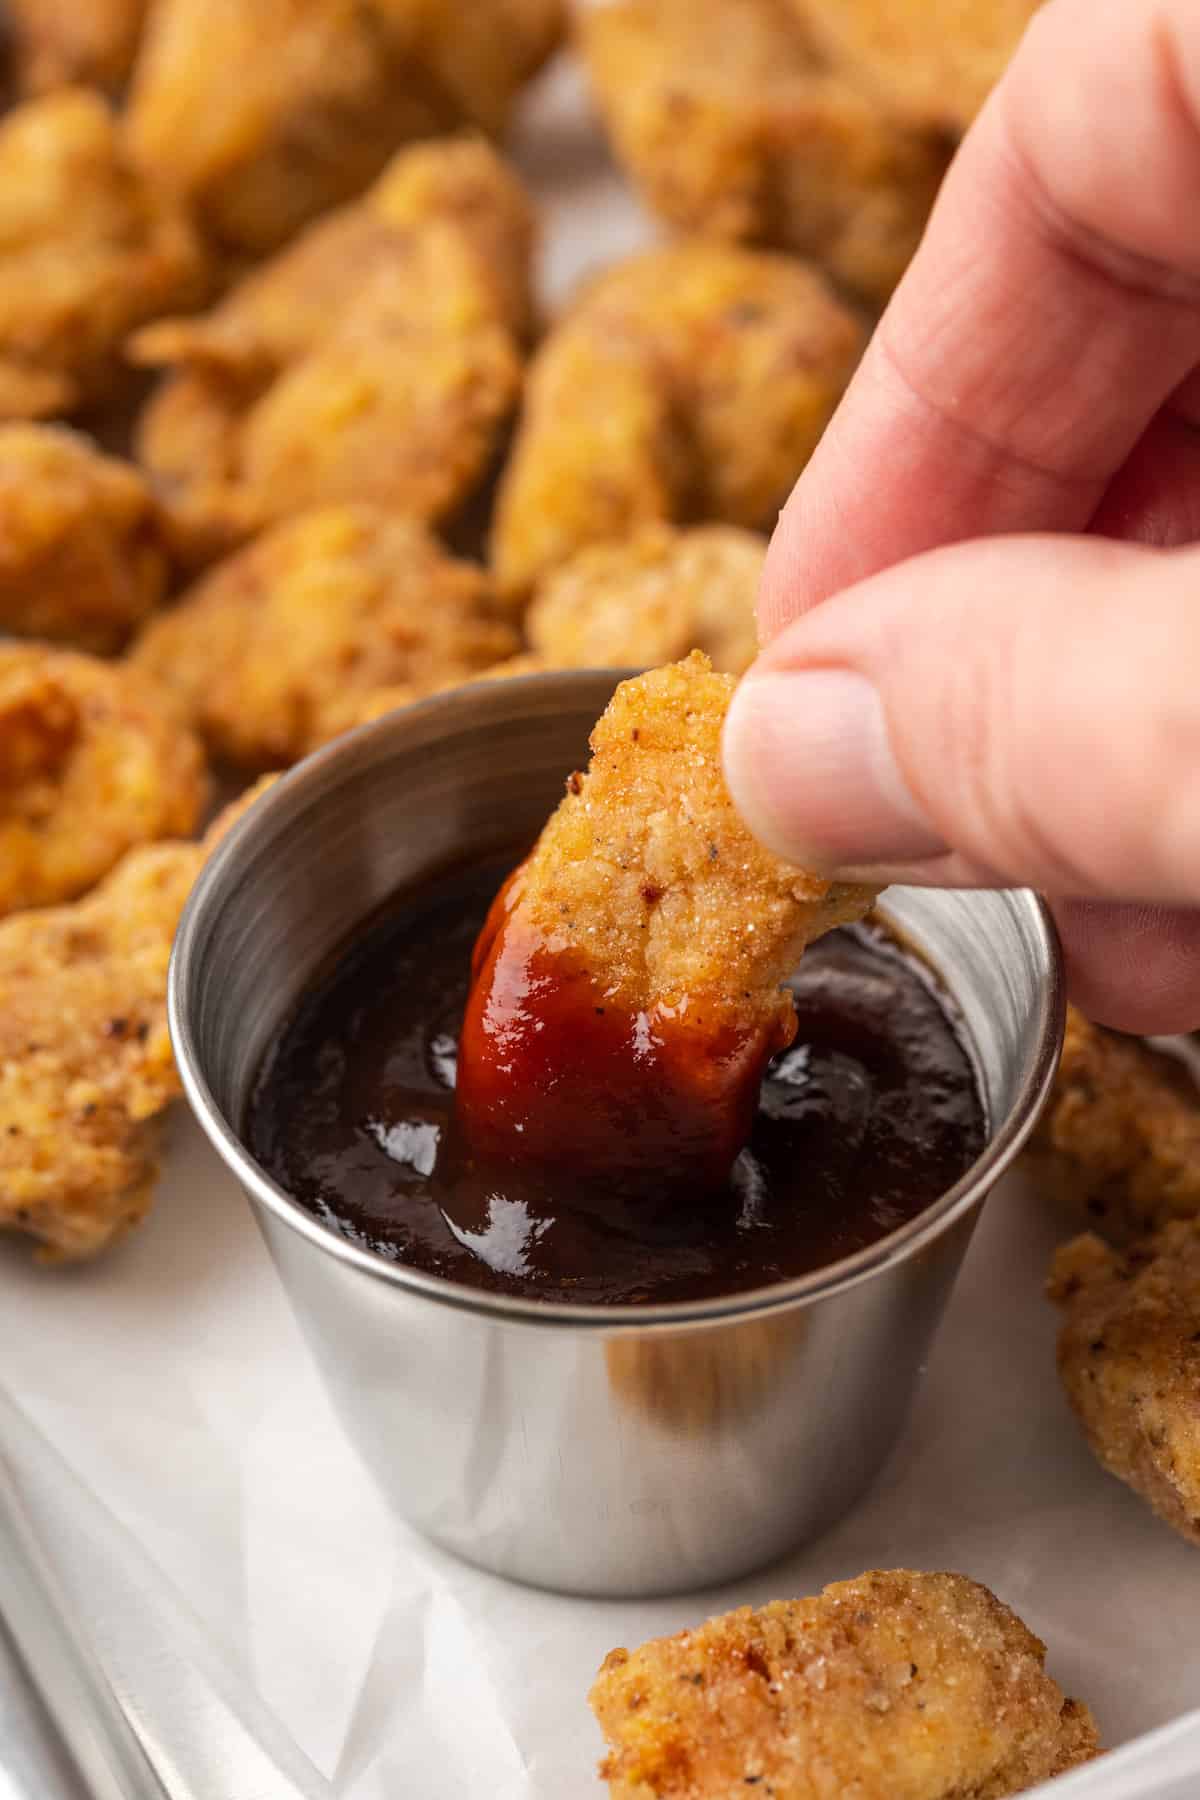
point(287, 442)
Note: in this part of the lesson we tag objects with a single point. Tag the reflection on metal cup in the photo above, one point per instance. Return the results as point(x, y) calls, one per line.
point(600, 1450)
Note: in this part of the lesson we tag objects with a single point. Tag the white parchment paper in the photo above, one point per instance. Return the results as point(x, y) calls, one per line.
point(173, 1383)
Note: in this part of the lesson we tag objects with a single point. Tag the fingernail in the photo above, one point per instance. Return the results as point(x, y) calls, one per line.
point(810, 766)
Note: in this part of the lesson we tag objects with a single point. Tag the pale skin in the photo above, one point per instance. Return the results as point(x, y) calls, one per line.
point(981, 609)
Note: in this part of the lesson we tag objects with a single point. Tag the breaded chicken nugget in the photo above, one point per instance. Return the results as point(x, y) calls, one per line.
point(86, 1069)
point(330, 605)
point(633, 965)
point(93, 761)
point(733, 125)
point(651, 600)
point(82, 556)
point(894, 1686)
point(691, 382)
point(58, 42)
point(89, 249)
point(931, 62)
point(1119, 1143)
point(294, 391)
point(1129, 1358)
point(263, 116)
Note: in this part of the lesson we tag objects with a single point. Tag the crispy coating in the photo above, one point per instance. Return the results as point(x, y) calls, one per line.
point(292, 393)
point(651, 600)
point(648, 874)
point(82, 557)
point(691, 382)
point(324, 92)
point(733, 125)
point(58, 42)
point(931, 62)
point(93, 761)
point(86, 1069)
point(1129, 1358)
point(346, 712)
point(894, 1686)
point(89, 249)
point(1119, 1143)
point(329, 606)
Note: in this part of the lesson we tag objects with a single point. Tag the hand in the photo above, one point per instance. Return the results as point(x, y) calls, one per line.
point(1017, 709)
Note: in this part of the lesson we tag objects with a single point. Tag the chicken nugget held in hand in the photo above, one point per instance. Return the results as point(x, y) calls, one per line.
point(626, 992)
point(898, 1685)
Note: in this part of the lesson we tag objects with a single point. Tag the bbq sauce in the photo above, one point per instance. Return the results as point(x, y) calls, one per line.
point(869, 1115)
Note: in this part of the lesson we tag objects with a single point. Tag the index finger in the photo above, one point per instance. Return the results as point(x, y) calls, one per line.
point(1052, 310)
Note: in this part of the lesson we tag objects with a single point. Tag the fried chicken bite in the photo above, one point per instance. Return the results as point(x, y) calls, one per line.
point(932, 63)
point(262, 117)
point(86, 1069)
point(1129, 1359)
point(733, 124)
point(90, 248)
point(294, 392)
point(895, 1686)
point(93, 761)
point(626, 991)
point(688, 383)
point(1119, 1142)
point(275, 642)
point(651, 600)
point(82, 556)
point(59, 42)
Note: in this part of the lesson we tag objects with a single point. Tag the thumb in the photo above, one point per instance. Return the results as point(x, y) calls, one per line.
point(1010, 711)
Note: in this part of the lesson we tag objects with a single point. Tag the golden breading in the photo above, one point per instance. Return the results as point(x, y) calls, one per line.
point(894, 1686)
point(58, 42)
point(328, 606)
point(1119, 1142)
point(86, 1069)
point(651, 600)
point(688, 383)
point(352, 710)
point(631, 969)
point(1129, 1358)
point(82, 558)
point(263, 116)
point(294, 392)
point(930, 62)
point(93, 761)
point(733, 125)
point(89, 249)
point(647, 871)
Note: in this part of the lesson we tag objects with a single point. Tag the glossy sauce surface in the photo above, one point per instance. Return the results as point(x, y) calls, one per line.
point(868, 1117)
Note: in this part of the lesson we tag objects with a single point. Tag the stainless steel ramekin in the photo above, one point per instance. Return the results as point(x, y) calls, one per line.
point(606, 1451)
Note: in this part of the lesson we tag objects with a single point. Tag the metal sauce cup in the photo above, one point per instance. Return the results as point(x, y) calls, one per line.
point(606, 1451)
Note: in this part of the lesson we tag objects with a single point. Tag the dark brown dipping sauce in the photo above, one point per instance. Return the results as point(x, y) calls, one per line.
point(871, 1114)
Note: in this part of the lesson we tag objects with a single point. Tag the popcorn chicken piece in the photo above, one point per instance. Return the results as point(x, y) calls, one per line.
point(1119, 1142)
point(688, 383)
point(82, 558)
point(276, 642)
point(651, 600)
point(733, 125)
point(894, 1686)
point(93, 761)
point(89, 249)
point(363, 709)
point(931, 62)
point(59, 42)
point(627, 986)
point(292, 393)
point(86, 1070)
point(1129, 1359)
point(324, 92)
